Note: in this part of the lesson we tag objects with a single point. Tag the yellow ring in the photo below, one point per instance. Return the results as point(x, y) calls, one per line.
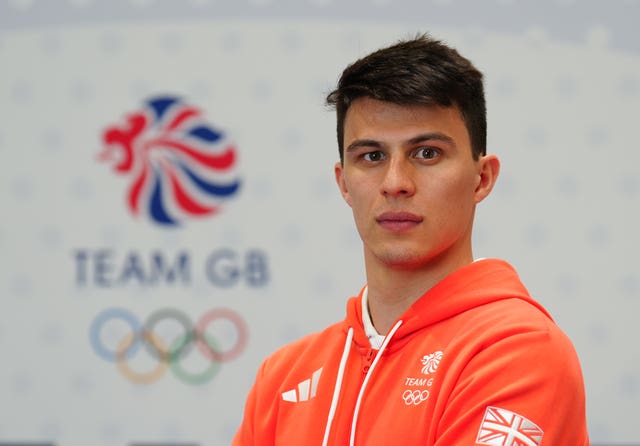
point(133, 376)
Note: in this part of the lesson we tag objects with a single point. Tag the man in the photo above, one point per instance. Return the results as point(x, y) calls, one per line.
point(438, 349)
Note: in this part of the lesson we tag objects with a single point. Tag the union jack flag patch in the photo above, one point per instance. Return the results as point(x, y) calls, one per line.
point(502, 427)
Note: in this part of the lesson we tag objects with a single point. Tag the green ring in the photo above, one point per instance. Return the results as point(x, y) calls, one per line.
point(196, 378)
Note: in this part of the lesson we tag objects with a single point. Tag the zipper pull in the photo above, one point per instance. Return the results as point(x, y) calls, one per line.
point(367, 359)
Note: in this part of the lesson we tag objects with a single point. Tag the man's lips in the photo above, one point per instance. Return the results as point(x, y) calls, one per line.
point(398, 221)
point(399, 217)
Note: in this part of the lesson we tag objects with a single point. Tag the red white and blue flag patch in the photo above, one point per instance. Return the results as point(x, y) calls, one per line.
point(501, 427)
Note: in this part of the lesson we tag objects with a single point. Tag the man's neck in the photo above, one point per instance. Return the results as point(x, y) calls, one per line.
point(391, 291)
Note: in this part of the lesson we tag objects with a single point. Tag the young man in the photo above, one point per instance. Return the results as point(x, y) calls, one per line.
point(438, 349)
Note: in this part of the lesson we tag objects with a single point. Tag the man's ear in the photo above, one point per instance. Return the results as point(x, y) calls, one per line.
point(489, 169)
point(339, 172)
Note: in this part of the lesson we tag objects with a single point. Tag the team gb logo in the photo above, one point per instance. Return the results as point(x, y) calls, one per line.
point(179, 167)
point(430, 362)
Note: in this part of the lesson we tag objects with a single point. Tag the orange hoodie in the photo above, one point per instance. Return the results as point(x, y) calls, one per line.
point(475, 361)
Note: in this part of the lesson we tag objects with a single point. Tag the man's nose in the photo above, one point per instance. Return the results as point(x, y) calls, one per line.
point(398, 179)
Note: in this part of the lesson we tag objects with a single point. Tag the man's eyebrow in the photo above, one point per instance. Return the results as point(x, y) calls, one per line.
point(438, 136)
point(363, 143)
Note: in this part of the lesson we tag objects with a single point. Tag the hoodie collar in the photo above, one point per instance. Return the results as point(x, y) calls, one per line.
point(473, 285)
point(375, 338)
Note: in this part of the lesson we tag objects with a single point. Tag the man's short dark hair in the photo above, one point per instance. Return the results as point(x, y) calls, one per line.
point(420, 71)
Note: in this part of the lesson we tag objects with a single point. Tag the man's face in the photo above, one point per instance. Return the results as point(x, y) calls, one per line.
point(412, 183)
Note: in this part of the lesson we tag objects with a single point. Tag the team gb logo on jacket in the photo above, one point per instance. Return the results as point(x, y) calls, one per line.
point(430, 362)
point(179, 166)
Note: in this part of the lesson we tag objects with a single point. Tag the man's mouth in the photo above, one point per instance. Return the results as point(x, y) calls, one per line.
point(398, 221)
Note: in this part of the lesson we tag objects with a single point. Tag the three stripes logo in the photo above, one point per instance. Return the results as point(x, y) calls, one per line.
point(305, 390)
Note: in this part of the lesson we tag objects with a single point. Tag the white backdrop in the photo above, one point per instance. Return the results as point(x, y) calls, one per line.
point(563, 89)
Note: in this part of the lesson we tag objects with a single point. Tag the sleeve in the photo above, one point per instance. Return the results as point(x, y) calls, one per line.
point(525, 389)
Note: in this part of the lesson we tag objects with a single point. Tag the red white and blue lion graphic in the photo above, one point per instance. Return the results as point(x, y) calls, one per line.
point(180, 167)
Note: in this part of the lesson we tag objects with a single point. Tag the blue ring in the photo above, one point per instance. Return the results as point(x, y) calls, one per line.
point(98, 322)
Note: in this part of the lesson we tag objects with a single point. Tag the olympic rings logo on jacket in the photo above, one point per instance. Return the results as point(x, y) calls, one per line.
point(415, 397)
point(168, 355)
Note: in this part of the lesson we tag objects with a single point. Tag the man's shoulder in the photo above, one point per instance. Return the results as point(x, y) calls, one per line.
point(312, 345)
point(520, 323)
point(516, 310)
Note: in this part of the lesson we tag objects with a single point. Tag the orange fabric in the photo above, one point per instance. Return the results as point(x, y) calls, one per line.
point(474, 340)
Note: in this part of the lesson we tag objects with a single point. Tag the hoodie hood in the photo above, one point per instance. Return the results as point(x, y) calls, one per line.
point(479, 283)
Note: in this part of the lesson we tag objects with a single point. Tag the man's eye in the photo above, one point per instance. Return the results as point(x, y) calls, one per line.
point(427, 153)
point(373, 156)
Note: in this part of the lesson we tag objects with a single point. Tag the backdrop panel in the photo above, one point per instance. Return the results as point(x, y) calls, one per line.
point(169, 167)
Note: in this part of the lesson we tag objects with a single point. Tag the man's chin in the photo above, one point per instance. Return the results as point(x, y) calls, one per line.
point(403, 260)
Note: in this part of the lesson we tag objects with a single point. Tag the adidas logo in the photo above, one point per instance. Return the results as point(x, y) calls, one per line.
point(306, 389)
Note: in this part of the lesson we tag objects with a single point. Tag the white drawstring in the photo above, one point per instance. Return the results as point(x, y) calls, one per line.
point(336, 390)
point(366, 380)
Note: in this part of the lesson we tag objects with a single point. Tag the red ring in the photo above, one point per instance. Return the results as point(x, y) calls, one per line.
point(241, 328)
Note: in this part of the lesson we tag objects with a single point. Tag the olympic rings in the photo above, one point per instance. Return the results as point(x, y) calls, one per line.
point(415, 397)
point(168, 354)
